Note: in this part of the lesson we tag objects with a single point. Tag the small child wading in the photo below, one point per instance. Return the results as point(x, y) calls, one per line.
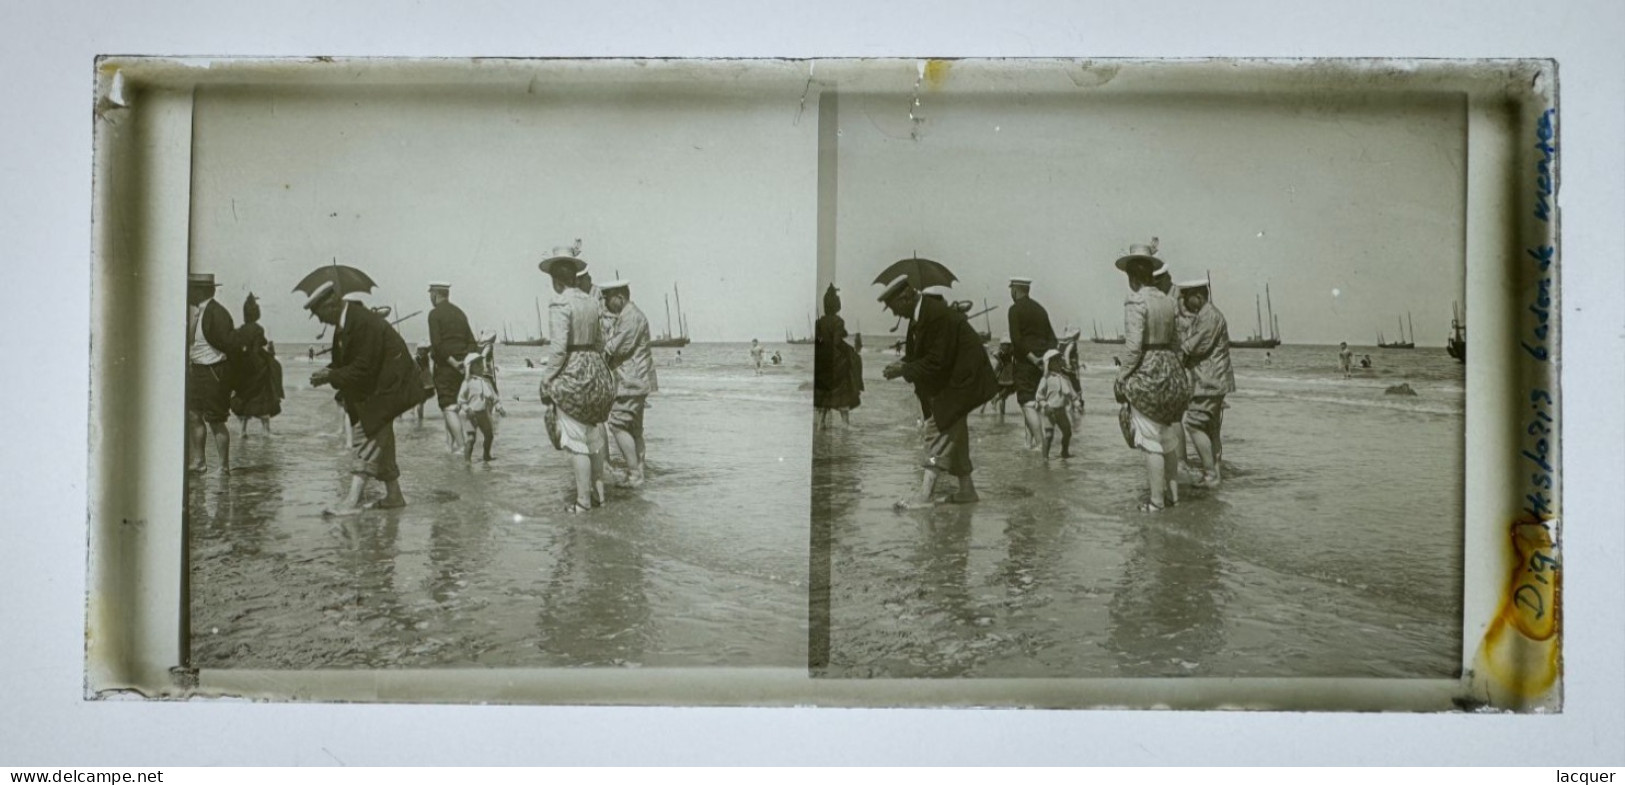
point(477, 402)
point(1056, 397)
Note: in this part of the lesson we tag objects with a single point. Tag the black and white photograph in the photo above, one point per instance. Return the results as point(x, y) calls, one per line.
point(1142, 386)
point(498, 376)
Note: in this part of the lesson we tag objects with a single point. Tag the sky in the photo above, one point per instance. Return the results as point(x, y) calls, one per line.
point(712, 190)
point(1351, 209)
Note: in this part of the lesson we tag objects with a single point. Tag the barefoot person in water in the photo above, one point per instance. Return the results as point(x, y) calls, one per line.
point(377, 381)
point(951, 376)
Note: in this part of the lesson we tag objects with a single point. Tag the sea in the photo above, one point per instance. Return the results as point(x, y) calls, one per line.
point(706, 565)
point(1332, 549)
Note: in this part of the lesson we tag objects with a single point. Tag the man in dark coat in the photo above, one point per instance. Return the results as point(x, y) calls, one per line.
point(1031, 334)
point(377, 381)
point(951, 376)
point(450, 341)
point(208, 372)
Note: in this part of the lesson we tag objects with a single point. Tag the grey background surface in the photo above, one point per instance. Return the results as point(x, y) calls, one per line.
point(44, 210)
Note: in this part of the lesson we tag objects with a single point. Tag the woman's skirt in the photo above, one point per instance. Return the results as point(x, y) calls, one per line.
point(843, 381)
point(584, 390)
point(1159, 389)
point(259, 393)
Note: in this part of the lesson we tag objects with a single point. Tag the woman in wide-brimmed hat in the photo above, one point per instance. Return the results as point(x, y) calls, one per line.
point(1152, 380)
point(577, 380)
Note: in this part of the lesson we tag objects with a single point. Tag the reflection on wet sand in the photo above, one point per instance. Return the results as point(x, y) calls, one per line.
point(1283, 571)
point(705, 565)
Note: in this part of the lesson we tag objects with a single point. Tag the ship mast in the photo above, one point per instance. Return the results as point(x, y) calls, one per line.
point(1271, 307)
point(678, 296)
point(668, 314)
point(1259, 313)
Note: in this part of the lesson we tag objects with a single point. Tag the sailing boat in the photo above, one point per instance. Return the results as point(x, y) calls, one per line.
point(667, 340)
point(793, 341)
point(1401, 343)
point(1457, 344)
point(1258, 339)
point(539, 340)
point(1095, 336)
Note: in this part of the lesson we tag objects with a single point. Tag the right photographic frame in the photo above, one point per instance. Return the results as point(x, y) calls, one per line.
point(1058, 461)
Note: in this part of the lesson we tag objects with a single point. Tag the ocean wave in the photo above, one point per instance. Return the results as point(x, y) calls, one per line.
point(1406, 404)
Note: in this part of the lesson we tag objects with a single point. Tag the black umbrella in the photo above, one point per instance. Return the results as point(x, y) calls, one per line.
point(921, 273)
point(345, 279)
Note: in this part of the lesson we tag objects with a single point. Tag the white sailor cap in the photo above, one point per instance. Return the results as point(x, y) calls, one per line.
point(937, 291)
point(1051, 353)
point(606, 286)
point(1186, 286)
point(1162, 269)
point(433, 285)
point(583, 270)
point(473, 357)
point(897, 284)
point(1019, 280)
point(317, 295)
point(356, 297)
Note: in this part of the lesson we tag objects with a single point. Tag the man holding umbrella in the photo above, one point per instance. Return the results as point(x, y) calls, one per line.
point(377, 381)
point(1032, 335)
point(951, 375)
point(450, 341)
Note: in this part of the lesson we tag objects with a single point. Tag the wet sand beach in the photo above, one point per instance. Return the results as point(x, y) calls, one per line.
point(704, 566)
point(1332, 549)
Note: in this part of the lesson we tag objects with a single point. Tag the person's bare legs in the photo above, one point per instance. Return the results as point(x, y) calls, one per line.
point(196, 441)
point(244, 421)
point(630, 449)
point(266, 422)
point(1205, 451)
point(222, 443)
point(597, 459)
point(967, 491)
point(846, 417)
point(488, 433)
point(582, 464)
point(392, 496)
point(454, 429)
point(352, 500)
point(1035, 426)
point(1156, 474)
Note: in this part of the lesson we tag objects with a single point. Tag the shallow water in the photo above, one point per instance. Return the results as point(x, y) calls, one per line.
point(1333, 549)
point(704, 566)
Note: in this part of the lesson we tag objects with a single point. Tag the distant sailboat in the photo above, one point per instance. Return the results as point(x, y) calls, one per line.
point(537, 341)
point(1258, 340)
point(669, 341)
point(1401, 343)
point(1457, 344)
point(1095, 336)
point(794, 341)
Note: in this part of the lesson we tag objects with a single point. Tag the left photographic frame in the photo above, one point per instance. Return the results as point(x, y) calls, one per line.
point(413, 379)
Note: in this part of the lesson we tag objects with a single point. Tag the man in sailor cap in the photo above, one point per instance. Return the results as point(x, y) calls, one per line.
point(450, 341)
point(1031, 334)
point(948, 367)
point(626, 348)
point(1205, 341)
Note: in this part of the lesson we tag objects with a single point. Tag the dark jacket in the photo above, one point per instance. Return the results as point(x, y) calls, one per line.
point(450, 338)
point(217, 329)
point(373, 370)
point(1030, 334)
point(949, 368)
